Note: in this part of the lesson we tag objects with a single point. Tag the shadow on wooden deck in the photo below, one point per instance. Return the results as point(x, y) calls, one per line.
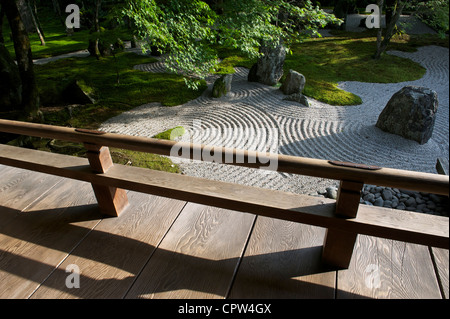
point(170, 249)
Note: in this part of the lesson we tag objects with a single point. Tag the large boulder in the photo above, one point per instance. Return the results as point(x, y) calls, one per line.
point(294, 83)
point(269, 68)
point(222, 85)
point(252, 74)
point(410, 113)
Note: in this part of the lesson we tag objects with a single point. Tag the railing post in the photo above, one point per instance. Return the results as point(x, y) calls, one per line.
point(111, 200)
point(338, 245)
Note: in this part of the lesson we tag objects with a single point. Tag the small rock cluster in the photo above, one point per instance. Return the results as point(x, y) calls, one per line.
point(399, 199)
point(293, 87)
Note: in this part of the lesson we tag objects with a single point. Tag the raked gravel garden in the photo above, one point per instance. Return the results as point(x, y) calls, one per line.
point(254, 116)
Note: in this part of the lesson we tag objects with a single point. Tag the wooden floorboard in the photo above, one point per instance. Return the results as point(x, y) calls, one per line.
point(388, 269)
point(198, 257)
point(283, 260)
point(39, 238)
point(113, 254)
point(441, 260)
point(170, 249)
point(19, 189)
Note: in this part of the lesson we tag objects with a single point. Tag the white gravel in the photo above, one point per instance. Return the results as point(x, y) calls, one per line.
point(255, 116)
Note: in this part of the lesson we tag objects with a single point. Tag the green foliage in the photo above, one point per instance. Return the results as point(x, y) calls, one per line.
point(57, 41)
point(190, 30)
point(435, 13)
point(183, 26)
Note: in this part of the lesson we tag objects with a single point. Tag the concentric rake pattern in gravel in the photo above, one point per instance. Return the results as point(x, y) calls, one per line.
point(255, 117)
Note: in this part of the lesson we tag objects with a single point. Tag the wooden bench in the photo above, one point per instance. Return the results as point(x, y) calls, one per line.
point(344, 218)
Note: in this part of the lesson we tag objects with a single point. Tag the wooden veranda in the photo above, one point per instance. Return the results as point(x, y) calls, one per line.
point(174, 236)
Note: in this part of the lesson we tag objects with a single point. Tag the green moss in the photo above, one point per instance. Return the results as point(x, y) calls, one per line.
point(346, 56)
point(114, 84)
point(146, 160)
point(119, 156)
point(171, 134)
point(57, 41)
point(327, 61)
point(226, 66)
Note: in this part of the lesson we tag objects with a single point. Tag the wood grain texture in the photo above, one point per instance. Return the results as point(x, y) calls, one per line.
point(35, 242)
point(51, 231)
point(20, 188)
point(198, 257)
point(373, 221)
point(387, 269)
point(347, 202)
point(338, 245)
point(112, 201)
point(283, 260)
point(114, 253)
point(441, 260)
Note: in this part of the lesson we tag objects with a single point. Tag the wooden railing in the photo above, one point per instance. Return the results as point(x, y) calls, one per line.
point(344, 218)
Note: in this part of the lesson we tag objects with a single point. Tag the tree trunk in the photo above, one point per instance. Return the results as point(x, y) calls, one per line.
point(57, 10)
point(390, 30)
point(36, 24)
point(94, 43)
point(10, 85)
point(2, 14)
point(25, 14)
point(22, 47)
point(380, 30)
point(340, 11)
point(390, 10)
point(97, 13)
point(36, 16)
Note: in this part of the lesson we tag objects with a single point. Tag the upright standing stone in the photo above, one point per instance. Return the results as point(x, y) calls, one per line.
point(294, 83)
point(269, 68)
point(411, 113)
point(222, 85)
point(293, 87)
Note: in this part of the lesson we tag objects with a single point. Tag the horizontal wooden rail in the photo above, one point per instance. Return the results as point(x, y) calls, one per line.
point(411, 180)
point(374, 221)
point(344, 218)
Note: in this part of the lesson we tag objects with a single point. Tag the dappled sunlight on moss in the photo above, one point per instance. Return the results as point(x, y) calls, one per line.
point(327, 61)
point(116, 85)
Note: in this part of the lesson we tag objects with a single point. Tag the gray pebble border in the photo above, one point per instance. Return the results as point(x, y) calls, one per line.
point(397, 198)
